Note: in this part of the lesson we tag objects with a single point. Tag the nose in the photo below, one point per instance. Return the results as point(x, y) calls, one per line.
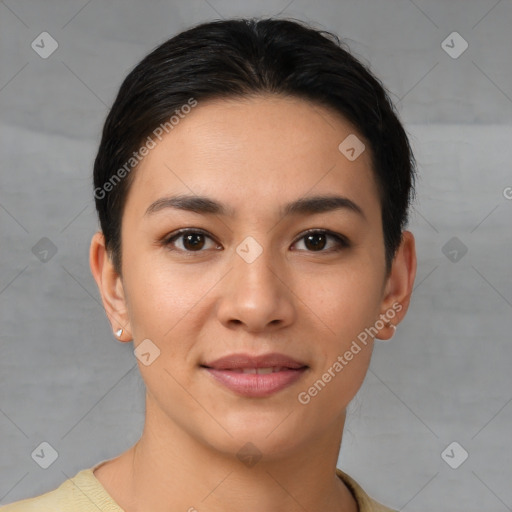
point(256, 296)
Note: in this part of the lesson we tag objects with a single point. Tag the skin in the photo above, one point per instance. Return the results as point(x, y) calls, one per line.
point(254, 155)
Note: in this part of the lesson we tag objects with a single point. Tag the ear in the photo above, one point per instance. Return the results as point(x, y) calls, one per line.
point(398, 286)
point(110, 286)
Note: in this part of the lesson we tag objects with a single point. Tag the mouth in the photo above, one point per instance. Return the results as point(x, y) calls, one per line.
point(258, 371)
point(256, 376)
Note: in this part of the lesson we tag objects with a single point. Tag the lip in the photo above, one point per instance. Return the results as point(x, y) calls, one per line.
point(240, 361)
point(228, 371)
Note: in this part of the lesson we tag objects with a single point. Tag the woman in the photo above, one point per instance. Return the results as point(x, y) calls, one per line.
point(252, 185)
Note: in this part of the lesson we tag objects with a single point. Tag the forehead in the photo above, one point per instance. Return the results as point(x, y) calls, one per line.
point(255, 153)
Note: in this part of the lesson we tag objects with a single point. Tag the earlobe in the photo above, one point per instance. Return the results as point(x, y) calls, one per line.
point(121, 336)
point(399, 285)
point(110, 287)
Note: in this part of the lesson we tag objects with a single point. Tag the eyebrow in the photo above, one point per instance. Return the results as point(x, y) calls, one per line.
point(205, 205)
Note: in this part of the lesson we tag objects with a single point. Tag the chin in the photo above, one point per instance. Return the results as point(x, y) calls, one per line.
point(275, 434)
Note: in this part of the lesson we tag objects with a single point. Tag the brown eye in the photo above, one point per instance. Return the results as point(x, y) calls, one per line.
point(317, 240)
point(191, 241)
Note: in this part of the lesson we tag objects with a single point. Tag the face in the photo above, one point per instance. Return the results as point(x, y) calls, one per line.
point(247, 275)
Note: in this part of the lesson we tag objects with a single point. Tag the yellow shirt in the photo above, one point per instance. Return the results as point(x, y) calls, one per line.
point(84, 493)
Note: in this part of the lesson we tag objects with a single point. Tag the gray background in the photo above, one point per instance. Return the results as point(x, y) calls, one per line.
point(445, 376)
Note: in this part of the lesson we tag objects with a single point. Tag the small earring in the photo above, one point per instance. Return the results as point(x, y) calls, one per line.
point(119, 332)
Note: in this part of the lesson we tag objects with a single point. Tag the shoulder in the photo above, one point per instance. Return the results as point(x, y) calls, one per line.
point(57, 500)
point(364, 502)
point(82, 493)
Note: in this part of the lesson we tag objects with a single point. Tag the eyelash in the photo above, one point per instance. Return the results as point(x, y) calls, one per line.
point(342, 241)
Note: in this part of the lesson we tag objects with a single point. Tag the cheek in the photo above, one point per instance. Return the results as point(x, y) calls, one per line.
point(333, 388)
point(164, 299)
point(344, 301)
point(343, 348)
point(164, 304)
point(342, 305)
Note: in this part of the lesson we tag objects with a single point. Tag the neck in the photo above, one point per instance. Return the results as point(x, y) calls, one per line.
point(168, 469)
